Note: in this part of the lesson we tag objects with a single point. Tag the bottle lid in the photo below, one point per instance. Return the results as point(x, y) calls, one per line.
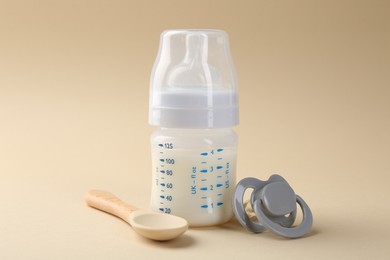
point(193, 82)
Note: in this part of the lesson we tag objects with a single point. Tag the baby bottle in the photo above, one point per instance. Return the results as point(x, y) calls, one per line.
point(194, 104)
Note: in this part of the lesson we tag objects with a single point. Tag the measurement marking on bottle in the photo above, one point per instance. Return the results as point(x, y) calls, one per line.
point(206, 178)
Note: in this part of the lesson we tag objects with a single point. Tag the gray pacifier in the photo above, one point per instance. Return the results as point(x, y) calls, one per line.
point(275, 205)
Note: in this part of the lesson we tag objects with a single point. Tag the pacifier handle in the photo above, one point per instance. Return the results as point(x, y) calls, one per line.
point(289, 232)
point(278, 201)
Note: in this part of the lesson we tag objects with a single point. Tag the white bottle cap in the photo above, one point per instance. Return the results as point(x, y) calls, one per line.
point(193, 82)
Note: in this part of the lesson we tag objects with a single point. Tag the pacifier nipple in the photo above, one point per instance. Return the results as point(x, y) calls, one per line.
point(274, 203)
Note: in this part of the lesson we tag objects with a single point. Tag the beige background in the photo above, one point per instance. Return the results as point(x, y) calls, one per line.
point(314, 104)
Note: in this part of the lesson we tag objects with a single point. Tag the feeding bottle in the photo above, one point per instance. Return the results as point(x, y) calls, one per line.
point(194, 104)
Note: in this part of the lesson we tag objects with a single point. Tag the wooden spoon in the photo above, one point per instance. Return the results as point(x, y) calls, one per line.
point(156, 226)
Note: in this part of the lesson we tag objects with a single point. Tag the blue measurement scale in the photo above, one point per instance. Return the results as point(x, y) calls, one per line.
point(204, 177)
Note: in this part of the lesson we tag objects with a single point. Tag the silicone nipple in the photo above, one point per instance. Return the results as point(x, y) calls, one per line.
point(194, 71)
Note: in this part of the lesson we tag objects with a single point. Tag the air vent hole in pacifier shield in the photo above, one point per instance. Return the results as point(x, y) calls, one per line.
point(274, 203)
point(248, 205)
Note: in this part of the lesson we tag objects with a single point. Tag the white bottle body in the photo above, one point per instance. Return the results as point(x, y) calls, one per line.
point(194, 174)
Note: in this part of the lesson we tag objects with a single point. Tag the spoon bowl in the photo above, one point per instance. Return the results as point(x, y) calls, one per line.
point(155, 226)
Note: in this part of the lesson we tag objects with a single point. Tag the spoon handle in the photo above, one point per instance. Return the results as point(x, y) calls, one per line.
point(107, 202)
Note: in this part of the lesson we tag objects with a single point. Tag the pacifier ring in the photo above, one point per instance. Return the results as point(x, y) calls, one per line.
point(238, 204)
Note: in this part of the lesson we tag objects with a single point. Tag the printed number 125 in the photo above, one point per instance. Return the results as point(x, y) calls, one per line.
point(168, 145)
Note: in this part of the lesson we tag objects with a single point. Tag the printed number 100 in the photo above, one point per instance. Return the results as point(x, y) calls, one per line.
point(170, 161)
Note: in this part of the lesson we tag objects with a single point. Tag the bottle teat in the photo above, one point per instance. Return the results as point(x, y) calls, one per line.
point(193, 83)
point(194, 71)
